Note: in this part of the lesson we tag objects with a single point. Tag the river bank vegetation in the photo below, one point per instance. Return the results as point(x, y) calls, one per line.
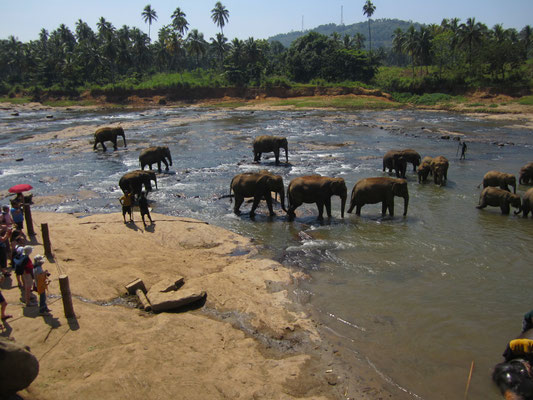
point(425, 63)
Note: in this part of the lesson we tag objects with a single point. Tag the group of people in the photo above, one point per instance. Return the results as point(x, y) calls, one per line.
point(30, 274)
point(127, 203)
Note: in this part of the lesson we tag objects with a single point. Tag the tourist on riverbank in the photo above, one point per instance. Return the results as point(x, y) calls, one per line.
point(18, 215)
point(126, 201)
point(143, 207)
point(5, 235)
point(41, 283)
point(27, 276)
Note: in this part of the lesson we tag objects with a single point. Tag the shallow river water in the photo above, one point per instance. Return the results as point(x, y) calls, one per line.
point(418, 297)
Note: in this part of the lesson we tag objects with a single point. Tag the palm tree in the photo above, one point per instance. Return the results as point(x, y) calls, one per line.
point(368, 10)
point(471, 35)
point(220, 45)
point(220, 15)
point(358, 40)
point(526, 34)
point(196, 44)
point(149, 15)
point(179, 22)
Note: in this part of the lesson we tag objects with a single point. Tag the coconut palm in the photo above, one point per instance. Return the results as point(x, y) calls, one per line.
point(368, 10)
point(179, 22)
point(220, 15)
point(470, 36)
point(149, 15)
point(220, 46)
point(196, 44)
point(358, 40)
point(526, 36)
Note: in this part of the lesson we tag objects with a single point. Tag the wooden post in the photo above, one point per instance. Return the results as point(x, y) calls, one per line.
point(64, 287)
point(46, 240)
point(29, 221)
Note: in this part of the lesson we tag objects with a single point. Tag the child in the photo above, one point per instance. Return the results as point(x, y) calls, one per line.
point(41, 282)
point(126, 201)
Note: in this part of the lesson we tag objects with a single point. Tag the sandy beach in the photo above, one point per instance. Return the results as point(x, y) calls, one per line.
point(248, 340)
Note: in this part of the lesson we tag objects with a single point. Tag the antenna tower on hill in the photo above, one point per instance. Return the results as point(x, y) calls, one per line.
point(342, 15)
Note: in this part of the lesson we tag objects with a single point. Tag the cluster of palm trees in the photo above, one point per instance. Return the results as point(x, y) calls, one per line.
point(469, 49)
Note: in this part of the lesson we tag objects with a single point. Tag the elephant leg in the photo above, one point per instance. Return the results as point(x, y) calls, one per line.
point(257, 156)
point(358, 209)
point(384, 208)
point(95, 143)
point(482, 203)
point(255, 204)
point(293, 206)
point(320, 206)
point(391, 207)
point(103, 146)
point(276, 154)
point(115, 144)
point(268, 199)
point(505, 208)
point(166, 164)
point(238, 202)
point(328, 207)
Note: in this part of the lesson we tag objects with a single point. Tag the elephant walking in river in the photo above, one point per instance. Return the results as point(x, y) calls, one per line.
point(379, 190)
point(267, 144)
point(525, 176)
point(499, 179)
point(406, 155)
point(496, 197)
point(527, 202)
point(258, 185)
point(154, 155)
point(108, 134)
point(439, 168)
point(316, 189)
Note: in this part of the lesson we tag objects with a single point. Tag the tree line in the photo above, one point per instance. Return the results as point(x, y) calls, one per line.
point(451, 52)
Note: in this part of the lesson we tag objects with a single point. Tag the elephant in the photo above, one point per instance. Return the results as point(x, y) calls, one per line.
point(379, 190)
point(424, 169)
point(527, 203)
point(439, 169)
point(526, 174)
point(499, 179)
point(496, 197)
point(410, 156)
point(154, 155)
point(266, 144)
point(258, 185)
point(514, 376)
point(108, 134)
point(134, 180)
point(316, 189)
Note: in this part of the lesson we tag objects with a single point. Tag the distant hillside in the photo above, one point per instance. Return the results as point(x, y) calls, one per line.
point(382, 30)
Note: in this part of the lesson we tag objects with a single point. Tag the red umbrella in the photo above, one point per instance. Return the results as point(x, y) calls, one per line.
point(23, 187)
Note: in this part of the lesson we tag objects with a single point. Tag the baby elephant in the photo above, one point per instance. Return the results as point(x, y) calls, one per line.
point(496, 197)
point(499, 179)
point(108, 134)
point(527, 203)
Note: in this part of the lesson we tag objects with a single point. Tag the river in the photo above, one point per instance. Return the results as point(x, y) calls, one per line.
point(418, 297)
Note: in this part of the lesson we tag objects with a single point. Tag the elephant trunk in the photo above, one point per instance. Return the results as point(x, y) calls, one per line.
point(282, 199)
point(343, 204)
point(155, 181)
point(405, 204)
point(169, 159)
point(124, 137)
point(287, 154)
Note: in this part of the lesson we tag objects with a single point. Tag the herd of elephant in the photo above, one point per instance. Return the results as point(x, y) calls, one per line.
point(319, 189)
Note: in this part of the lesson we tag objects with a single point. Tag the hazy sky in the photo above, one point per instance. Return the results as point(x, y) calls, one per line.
point(259, 19)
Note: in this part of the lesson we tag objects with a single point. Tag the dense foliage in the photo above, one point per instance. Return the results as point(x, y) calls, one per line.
point(443, 57)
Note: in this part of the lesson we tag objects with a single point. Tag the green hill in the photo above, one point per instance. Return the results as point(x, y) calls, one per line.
point(382, 30)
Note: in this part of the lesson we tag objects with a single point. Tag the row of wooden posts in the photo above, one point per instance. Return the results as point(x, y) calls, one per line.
point(64, 286)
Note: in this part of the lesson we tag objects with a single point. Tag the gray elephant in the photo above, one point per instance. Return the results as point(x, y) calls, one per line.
point(527, 203)
point(496, 197)
point(513, 376)
point(258, 185)
point(267, 144)
point(154, 155)
point(108, 134)
point(133, 181)
point(500, 179)
point(379, 190)
point(409, 155)
point(316, 189)
point(526, 174)
point(424, 169)
point(439, 168)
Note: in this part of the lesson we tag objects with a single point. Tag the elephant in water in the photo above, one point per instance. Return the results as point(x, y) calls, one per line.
point(258, 185)
point(133, 181)
point(154, 155)
point(379, 190)
point(514, 376)
point(409, 155)
point(424, 169)
point(108, 134)
point(496, 197)
point(439, 169)
point(499, 179)
point(527, 203)
point(267, 144)
point(316, 189)
point(526, 174)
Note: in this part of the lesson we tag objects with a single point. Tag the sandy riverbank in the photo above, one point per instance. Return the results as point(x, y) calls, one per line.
point(247, 341)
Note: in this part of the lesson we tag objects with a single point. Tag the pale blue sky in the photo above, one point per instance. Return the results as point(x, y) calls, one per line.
point(250, 18)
